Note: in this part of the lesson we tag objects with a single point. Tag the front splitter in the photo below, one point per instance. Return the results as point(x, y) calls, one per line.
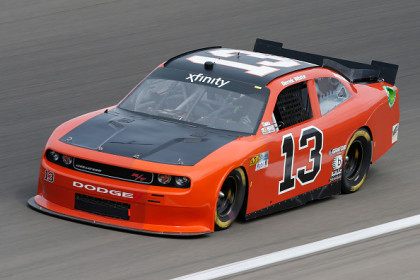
point(34, 205)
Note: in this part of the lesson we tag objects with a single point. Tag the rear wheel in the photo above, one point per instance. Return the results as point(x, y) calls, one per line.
point(231, 197)
point(357, 161)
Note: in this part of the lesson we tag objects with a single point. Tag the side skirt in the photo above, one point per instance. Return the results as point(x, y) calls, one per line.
point(317, 194)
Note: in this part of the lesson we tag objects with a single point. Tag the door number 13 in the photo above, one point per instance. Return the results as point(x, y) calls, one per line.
point(303, 175)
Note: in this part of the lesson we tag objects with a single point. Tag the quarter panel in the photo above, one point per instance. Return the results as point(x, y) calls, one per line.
point(382, 120)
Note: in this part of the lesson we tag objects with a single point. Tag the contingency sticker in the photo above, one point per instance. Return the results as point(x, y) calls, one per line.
point(395, 129)
point(268, 128)
point(262, 161)
point(392, 95)
point(338, 150)
point(337, 165)
point(254, 160)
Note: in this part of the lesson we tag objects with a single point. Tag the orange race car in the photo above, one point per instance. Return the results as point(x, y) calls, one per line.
point(215, 134)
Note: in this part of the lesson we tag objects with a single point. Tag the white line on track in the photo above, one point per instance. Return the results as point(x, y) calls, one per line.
point(303, 250)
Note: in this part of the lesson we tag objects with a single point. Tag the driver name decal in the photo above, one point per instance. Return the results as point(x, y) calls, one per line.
point(218, 82)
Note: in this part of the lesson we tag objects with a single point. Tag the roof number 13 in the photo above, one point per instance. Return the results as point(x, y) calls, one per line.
point(268, 64)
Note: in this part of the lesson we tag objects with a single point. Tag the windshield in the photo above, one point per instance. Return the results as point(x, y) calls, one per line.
point(197, 103)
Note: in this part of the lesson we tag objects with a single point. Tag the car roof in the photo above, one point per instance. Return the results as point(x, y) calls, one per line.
point(240, 65)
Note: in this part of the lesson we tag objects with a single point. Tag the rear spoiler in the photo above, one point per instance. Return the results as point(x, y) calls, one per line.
point(355, 72)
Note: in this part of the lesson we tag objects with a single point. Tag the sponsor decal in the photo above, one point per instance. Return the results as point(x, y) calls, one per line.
point(392, 95)
point(268, 128)
point(293, 80)
point(102, 190)
point(395, 129)
point(49, 176)
point(337, 166)
point(337, 150)
point(218, 82)
point(337, 162)
point(335, 176)
point(262, 161)
point(87, 168)
point(254, 160)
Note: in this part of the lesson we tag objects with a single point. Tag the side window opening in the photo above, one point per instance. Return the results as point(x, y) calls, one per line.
point(331, 93)
point(293, 106)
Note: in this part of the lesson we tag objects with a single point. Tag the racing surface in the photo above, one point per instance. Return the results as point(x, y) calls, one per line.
point(60, 59)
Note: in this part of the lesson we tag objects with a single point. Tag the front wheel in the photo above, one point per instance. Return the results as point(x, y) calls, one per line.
point(230, 199)
point(357, 161)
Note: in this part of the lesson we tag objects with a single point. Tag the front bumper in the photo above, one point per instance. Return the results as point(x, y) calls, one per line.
point(73, 215)
point(156, 210)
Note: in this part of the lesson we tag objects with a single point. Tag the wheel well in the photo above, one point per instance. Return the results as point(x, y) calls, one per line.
point(368, 130)
point(242, 212)
point(371, 138)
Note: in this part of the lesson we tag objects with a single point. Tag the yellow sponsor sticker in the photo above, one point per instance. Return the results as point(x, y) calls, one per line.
point(254, 160)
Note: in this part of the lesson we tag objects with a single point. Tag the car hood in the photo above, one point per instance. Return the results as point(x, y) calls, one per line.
point(123, 133)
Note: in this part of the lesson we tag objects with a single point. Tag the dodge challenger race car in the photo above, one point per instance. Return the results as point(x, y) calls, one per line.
point(217, 134)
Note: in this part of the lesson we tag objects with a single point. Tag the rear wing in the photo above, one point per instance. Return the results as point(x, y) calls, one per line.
point(355, 72)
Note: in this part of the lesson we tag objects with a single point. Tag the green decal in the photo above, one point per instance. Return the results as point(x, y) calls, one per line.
point(392, 94)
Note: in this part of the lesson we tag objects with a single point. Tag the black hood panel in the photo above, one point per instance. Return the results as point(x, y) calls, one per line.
point(121, 133)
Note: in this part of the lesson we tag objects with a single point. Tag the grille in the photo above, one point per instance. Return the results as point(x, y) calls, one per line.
point(113, 171)
point(110, 171)
point(102, 207)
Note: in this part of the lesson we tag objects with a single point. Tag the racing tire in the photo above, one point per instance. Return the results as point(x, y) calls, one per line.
point(230, 199)
point(357, 161)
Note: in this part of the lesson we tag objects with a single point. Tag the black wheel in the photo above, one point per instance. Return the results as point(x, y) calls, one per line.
point(231, 197)
point(357, 161)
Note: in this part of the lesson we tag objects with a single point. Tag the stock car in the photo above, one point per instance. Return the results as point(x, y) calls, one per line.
point(217, 134)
